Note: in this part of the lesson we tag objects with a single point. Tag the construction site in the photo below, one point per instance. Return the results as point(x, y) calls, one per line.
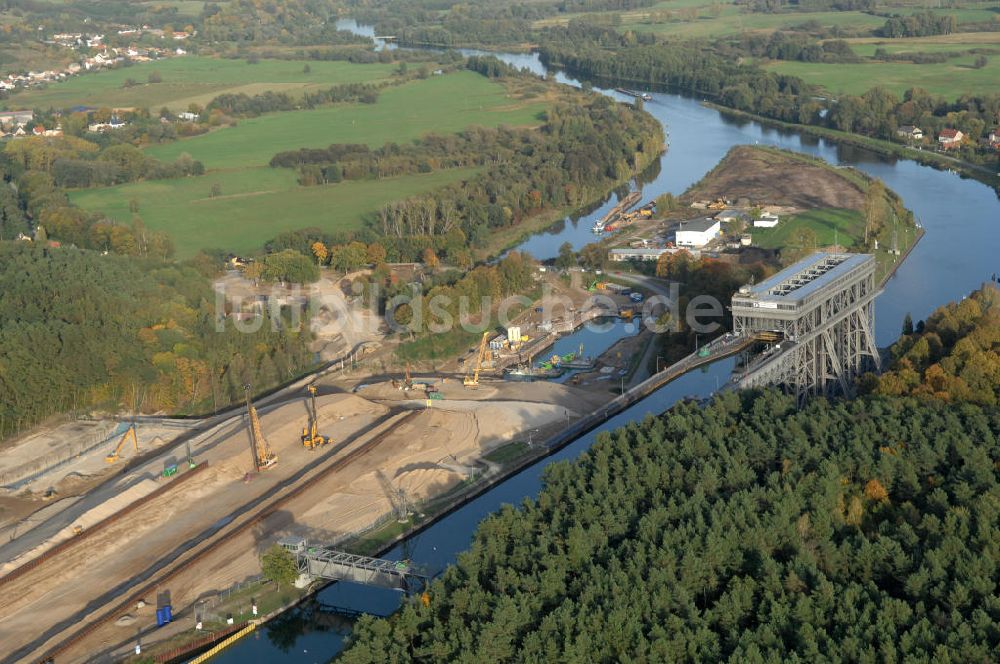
point(105, 522)
point(165, 512)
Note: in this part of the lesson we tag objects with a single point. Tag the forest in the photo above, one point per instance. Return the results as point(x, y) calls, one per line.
point(741, 531)
point(952, 356)
point(79, 330)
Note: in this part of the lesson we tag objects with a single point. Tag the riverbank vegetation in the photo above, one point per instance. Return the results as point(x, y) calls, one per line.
point(834, 500)
point(952, 356)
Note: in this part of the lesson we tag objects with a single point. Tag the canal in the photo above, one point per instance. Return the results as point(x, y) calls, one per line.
point(961, 250)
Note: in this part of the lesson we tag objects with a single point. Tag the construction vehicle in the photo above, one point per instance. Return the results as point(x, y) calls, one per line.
point(129, 435)
point(263, 457)
point(77, 530)
point(170, 470)
point(190, 458)
point(472, 377)
point(311, 439)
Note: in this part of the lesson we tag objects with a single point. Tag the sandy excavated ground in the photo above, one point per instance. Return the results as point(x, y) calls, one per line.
point(424, 452)
point(766, 177)
point(338, 324)
point(58, 589)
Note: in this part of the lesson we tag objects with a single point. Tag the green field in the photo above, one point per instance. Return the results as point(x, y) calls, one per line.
point(441, 104)
point(255, 205)
point(733, 20)
point(950, 79)
point(831, 226)
point(191, 79)
point(959, 43)
point(258, 202)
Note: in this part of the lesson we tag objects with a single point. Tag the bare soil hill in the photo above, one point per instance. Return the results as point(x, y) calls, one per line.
point(769, 176)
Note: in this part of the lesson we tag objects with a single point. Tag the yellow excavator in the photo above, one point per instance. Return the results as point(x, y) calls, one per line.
point(472, 376)
point(263, 457)
point(311, 439)
point(129, 435)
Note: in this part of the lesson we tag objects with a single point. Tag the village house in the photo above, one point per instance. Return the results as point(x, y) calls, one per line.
point(114, 123)
point(950, 138)
point(994, 138)
point(910, 133)
point(15, 118)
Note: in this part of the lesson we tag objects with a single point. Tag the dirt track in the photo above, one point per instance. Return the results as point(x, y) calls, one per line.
point(772, 178)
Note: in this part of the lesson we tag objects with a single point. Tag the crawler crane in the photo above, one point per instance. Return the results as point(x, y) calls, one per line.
point(263, 457)
point(472, 377)
point(311, 439)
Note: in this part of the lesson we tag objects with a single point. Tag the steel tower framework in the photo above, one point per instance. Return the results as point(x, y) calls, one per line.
point(823, 308)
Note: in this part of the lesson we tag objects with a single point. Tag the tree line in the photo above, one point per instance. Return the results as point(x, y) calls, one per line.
point(81, 330)
point(919, 24)
point(243, 105)
point(698, 67)
point(580, 151)
point(867, 533)
point(954, 355)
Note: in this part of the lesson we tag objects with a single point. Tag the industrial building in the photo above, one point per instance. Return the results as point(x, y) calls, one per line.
point(766, 220)
point(637, 254)
point(697, 232)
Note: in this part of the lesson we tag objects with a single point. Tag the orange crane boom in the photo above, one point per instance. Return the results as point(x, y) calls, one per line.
point(472, 377)
point(263, 457)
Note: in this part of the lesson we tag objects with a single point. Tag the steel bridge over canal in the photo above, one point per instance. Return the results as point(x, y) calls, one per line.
point(319, 562)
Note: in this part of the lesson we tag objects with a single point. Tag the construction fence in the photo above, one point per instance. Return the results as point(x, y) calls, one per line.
point(17, 477)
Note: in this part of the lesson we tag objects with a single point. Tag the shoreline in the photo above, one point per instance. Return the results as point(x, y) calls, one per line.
point(876, 145)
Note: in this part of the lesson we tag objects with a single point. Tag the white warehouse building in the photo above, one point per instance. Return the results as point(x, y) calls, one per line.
point(697, 232)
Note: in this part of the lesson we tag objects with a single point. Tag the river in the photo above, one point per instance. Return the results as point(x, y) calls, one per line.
point(960, 250)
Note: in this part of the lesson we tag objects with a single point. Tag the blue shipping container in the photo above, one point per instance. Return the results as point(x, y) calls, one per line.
point(168, 614)
point(160, 622)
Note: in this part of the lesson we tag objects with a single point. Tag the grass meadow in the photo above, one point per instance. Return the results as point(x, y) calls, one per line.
point(256, 202)
point(191, 79)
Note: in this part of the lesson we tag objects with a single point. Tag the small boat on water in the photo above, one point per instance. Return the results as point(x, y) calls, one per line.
point(617, 211)
point(645, 96)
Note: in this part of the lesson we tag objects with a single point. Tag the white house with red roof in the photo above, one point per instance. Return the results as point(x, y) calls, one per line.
point(950, 138)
